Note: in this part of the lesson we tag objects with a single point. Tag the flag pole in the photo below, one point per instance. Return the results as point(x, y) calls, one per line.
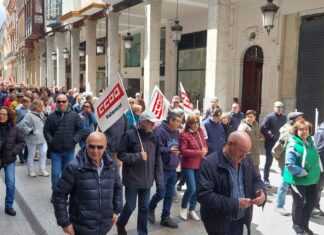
point(134, 121)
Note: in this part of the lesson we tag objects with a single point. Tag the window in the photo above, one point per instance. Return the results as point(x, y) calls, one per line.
point(133, 55)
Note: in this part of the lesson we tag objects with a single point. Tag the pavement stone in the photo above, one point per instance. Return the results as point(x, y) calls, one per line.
point(36, 193)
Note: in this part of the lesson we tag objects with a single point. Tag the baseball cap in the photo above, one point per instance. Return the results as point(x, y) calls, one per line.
point(291, 116)
point(148, 115)
point(217, 112)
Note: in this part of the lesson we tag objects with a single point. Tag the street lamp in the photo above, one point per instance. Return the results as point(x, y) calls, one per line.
point(128, 38)
point(53, 55)
point(176, 29)
point(66, 53)
point(269, 11)
point(81, 51)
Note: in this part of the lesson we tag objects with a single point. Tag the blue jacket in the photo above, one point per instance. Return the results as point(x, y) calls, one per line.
point(235, 119)
point(168, 139)
point(130, 119)
point(214, 193)
point(271, 125)
point(216, 135)
point(93, 199)
point(319, 141)
point(89, 121)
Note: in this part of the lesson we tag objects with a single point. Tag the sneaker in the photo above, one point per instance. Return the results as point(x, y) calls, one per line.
point(267, 184)
point(315, 213)
point(282, 211)
point(168, 222)
point(43, 173)
point(32, 174)
point(121, 230)
point(321, 213)
point(307, 231)
point(183, 214)
point(298, 230)
point(10, 211)
point(194, 215)
point(151, 216)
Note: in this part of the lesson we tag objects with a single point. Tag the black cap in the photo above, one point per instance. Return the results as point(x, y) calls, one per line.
point(217, 112)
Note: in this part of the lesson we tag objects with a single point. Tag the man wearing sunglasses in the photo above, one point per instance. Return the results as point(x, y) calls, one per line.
point(62, 131)
point(92, 184)
point(270, 127)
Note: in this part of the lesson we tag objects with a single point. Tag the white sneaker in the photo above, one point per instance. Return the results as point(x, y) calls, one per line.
point(194, 215)
point(282, 211)
point(43, 173)
point(184, 214)
point(32, 174)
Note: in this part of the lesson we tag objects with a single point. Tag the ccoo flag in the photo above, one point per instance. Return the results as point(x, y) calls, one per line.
point(159, 104)
point(111, 105)
point(185, 101)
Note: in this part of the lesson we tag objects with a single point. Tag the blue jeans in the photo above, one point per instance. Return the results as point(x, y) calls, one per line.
point(190, 194)
point(59, 161)
point(235, 228)
point(130, 205)
point(269, 158)
point(167, 192)
point(10, 184)
point(281, 193)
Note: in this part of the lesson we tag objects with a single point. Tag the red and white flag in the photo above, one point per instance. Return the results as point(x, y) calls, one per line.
point(185, 101)
point(159, 104)
point(111, 105)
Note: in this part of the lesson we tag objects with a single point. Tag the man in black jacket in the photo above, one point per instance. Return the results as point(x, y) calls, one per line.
point(228, 186)
point(141, 166)
point(62, 131)
point(93, 183)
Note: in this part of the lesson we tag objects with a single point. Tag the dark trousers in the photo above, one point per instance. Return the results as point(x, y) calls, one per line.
point(304, 200)
point(269, 158)
point(235, 228)
point(23, 154)
point(170, 179)
point(320, 187)
point(130, 205)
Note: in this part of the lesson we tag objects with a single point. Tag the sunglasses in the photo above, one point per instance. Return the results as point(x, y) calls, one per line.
point(280, 107)
point(92, 146)
point(61, 101)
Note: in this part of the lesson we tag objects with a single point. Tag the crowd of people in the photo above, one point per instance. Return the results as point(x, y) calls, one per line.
point(217, 156)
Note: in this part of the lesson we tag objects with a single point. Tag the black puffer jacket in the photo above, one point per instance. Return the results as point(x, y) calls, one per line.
point(12, 143)
point(63, 131)
point(138, 173)
point(214, 193)
point(93, 200)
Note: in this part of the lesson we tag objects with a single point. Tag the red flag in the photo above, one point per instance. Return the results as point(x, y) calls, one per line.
point(159, 104)
point(185, 101)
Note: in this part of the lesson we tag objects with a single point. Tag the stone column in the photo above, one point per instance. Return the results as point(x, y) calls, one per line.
point(170, 88)
point(60, 61)
point(24, 68)
point(217, 52)
point(75, 58)
point(152, 47)
point(42, 61)
point(49, 62)
point(91, 69)
point(113, 45)
point(37, 64)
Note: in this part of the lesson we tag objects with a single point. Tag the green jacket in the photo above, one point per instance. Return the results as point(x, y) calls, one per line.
point(296, 146)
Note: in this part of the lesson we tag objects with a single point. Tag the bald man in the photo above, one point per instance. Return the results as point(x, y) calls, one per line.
point(92, 184)
point(228, 186)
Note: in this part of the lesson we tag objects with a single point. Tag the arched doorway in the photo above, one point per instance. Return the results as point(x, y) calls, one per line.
point(252, 79)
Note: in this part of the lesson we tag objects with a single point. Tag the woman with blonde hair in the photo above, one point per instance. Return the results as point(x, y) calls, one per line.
point(193, 148)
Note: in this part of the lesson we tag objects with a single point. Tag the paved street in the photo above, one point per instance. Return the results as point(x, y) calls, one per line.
point(35, 212)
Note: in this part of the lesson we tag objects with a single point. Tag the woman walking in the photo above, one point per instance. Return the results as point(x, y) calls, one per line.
point(302, 172)
point(193, 148)
point(32, 127)
point(11, 144)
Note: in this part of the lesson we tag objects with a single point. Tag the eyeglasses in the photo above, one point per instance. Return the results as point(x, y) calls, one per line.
point(3, 114)
point(279, 107)
point(86, 106)
point(61, 101)
point(194, 123)
point(303, 129)
point(92, 146)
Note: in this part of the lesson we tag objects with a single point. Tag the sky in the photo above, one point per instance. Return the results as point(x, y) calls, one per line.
point(2, 13)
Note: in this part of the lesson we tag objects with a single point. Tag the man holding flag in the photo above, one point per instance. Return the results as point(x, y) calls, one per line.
point(142, 164)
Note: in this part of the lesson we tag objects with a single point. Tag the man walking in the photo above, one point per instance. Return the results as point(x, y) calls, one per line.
point(235, 116)
point(168, 134)
point(271, 124)
point(141, 166)
point(62, 131)
point(92, 184)
point(228, 186)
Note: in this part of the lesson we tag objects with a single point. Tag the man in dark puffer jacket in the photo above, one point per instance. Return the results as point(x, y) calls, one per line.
point(62, 131)
point(93, 182)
